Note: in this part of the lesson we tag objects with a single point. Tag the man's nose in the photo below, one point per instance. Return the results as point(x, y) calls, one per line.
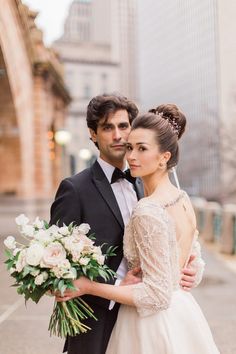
point(116, 135)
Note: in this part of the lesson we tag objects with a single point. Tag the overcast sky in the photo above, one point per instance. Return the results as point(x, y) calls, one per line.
point(51, 17)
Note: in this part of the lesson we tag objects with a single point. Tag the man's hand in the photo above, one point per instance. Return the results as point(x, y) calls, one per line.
point(133, 276)
point(187, 281)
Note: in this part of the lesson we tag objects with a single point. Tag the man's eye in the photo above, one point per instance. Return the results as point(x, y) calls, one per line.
point(124, 126)
point(106, 128)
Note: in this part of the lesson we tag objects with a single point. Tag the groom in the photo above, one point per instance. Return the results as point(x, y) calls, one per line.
point(104, 198)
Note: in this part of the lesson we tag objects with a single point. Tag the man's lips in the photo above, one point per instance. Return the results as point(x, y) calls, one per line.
point(118, 146)
point(133, 166)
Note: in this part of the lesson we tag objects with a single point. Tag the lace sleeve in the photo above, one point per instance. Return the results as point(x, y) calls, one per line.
point(152, 240)
point(198, 263)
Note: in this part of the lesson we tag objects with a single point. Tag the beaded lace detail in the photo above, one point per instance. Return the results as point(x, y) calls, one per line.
point(150, 242)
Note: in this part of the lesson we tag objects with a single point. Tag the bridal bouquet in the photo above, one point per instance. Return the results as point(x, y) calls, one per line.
point(48, 260)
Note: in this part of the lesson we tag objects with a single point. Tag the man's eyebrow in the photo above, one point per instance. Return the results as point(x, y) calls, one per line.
point(105, 124)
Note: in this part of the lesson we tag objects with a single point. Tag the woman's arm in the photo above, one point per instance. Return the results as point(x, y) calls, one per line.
point(154, 292)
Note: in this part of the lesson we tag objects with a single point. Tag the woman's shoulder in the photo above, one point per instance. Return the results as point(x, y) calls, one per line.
point(148, 207)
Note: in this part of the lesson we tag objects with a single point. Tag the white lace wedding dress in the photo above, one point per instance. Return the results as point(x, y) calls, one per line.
point(166, 319)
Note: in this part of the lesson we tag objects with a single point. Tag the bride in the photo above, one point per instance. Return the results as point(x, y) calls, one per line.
point(156, 315)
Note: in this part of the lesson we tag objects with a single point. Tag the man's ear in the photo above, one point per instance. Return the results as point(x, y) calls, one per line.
point(93, 135)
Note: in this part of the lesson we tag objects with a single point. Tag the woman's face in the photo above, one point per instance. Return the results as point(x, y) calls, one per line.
point(143, 154)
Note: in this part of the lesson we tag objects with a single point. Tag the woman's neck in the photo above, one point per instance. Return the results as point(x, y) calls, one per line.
point(156, 182)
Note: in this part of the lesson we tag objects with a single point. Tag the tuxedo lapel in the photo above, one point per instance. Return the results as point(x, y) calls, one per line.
point(106, 192)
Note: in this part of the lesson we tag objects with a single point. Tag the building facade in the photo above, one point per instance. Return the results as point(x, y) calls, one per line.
point(187, 56)
point(33, 101)
point(98, 51)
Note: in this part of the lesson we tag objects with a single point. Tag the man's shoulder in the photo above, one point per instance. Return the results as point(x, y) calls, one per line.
point(83, 176)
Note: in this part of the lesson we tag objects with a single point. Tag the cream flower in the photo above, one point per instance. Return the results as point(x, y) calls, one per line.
point(84, 261)
point(21, 220)
point(99, 258)
point(41, 278)
point(64, 231)
point(10, 242)
point(28, 230)
point(43, 237)
point(34, 254)
point(83, 228)
point(38, 223)
point(54, 254)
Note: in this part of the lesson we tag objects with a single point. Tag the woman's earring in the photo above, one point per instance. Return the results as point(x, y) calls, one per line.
point(162, 165)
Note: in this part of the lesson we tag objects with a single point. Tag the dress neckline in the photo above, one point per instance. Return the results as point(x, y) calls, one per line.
point(174, 201)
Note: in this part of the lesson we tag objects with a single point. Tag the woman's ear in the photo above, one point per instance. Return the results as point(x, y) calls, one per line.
point(166, 156)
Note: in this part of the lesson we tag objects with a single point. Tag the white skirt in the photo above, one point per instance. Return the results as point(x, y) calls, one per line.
point(181, 329)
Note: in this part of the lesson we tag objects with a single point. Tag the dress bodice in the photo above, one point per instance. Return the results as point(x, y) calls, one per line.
point(150, 242)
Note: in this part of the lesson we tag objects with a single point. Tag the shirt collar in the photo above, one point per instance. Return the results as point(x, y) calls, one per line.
point(107, 168)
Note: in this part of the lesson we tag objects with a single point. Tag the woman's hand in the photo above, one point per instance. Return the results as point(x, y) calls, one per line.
point(82, 285)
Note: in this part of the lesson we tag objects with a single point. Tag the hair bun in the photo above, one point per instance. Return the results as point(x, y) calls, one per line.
point(174, 115)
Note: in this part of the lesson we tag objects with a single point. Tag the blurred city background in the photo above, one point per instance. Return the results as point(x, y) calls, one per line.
point(54, 57)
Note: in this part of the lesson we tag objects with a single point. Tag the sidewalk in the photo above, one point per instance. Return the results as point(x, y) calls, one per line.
point(217, 297)
point(24, 330)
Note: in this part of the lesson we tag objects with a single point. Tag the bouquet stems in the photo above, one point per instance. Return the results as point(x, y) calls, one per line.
point(66, 318)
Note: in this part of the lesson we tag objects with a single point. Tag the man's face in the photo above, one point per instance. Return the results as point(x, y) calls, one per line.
point(111, 137)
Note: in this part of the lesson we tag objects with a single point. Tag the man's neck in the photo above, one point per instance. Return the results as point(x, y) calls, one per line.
point(122, 165)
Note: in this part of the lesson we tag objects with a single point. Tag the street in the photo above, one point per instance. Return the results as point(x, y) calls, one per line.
point(23, 330)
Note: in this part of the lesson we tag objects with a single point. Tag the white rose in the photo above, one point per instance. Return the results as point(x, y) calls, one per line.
point(43, 236)
point(77, 251)
point(38, 223)
point(84, 261)
point(69, 242)
point(21, 220)
point(54, 254)
point(41, 278)
point(53, 231)
point(84, 228)
point(34, 254)
point(97, 250)
point(65, 264)
point(64, 231)
point(28, 230)
point(99, 258)
point(10, 242)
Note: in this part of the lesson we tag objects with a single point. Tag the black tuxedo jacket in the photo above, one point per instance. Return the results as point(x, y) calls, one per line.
point(88, 198)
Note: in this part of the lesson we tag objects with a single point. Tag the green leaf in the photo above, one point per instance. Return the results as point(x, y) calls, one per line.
point(9, 254)
point(46, 224)
point(36, 294)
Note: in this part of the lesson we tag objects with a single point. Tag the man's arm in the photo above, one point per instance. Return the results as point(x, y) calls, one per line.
point(192, 274)
point(65, 208)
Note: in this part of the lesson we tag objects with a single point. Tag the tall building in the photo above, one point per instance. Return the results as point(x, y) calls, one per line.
point(98, 51)
point(187, 54)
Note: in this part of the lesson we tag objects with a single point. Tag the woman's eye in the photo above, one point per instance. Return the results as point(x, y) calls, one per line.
point(128, 148)
point(141, 148)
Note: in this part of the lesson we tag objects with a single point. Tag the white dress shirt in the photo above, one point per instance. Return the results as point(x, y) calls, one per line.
point(126, 199)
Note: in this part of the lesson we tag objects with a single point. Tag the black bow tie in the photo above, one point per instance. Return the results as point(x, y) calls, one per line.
point(118, 174)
